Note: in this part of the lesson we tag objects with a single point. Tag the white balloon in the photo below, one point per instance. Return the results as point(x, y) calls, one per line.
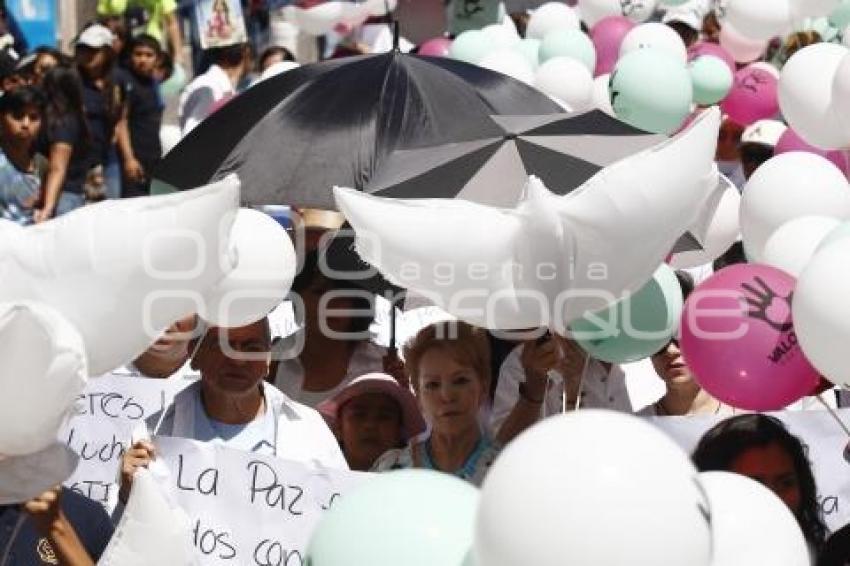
point(149, 516)
point(806, 94)
point(550, 17)
point(123, 270)
point(548, 248)
point(658, 36)
point(601, 94)
point(264, 269)
point(821, 311)
point(845, 36)
point(510, 63)
point(841, 94)
point(568, 80)
point(530, 49)
point(501, 36)
point(613, 461)
point(788, 186)
point(750, 524)
point(792, 245)
point(636, 10)
point(169, 136)
point(813, 8)
point(322, 18)
point(742, 48)
point(719, 229)
point(25, 477)
point(44, 370)
point(759, 19)
point(380, 7)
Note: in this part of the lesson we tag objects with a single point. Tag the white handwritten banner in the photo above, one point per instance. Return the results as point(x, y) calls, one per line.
point(245, 508)
point(106, 414)
point(825, 442)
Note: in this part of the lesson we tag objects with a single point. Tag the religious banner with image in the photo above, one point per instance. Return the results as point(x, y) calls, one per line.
point(220, 23)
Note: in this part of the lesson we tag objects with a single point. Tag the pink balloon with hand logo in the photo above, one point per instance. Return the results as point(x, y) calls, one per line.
point(754, 96)
point(436, 47)
point(607, 35)
point(791, 141)
point(738, 339)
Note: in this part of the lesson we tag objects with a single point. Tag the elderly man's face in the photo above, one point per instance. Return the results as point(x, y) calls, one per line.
point(234, 360)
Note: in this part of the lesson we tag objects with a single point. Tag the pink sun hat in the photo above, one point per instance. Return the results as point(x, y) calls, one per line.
point(412, 421)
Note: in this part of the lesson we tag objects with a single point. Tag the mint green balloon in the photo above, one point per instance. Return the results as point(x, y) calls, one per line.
point(530, 49)
point(637, 326)
point(470, 46)
point(651, 90)
point(568, 43)
point(840, 17)
point(161, 188)
point(838, 233)
point(407, 517)
point(174, 84)
point(711, 79)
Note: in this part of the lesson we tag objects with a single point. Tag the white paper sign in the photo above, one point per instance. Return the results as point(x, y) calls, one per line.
point(246, 508)
point(100, 431)
point(824, 438)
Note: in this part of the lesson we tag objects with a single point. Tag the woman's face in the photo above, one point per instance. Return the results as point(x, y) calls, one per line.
point(773, 467)
point(43, 63)
point(369, 425)
point(670, 365)
point(92, 62)
point(22, 126)
point(450, 393)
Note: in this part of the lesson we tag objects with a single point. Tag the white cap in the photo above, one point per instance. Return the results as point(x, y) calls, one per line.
point(96, 36)
point(691, 17)
point(764, 132)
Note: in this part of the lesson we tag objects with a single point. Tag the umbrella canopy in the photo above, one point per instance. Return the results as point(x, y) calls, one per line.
point(563, 151)
point(293, 137)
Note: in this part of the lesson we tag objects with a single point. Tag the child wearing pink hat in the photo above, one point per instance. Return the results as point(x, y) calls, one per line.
point(371, 415)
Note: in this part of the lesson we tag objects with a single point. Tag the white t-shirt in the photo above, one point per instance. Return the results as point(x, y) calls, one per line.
point(601, 390)
point(201, 95)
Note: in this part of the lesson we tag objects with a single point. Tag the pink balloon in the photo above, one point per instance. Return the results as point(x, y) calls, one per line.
point(607, 35)
point(754, 96)
point(436, 47)
point(741, 48)
point(713, 49)
point(790, 141)
point(738, 339)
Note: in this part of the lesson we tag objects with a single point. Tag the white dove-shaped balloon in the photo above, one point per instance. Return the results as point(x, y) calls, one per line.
point(122, 271)
point(551, 258)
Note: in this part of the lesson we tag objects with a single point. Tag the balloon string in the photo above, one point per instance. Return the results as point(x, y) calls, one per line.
point(581, 382)
point(8, 551)
point(832, 412)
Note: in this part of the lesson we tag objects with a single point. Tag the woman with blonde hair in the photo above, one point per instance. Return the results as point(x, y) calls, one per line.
point(449, 368)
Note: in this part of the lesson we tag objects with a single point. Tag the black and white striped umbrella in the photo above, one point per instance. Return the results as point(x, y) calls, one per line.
point(564, 151)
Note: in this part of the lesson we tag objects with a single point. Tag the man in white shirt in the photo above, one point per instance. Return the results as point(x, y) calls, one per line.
point(209, 91)
point(231, 405)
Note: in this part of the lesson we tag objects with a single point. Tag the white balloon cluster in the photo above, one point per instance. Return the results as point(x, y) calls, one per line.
point(324, 17)
point(555, 57)
point(795, 215)
point(666, 512)
point(91, 290)
point(814, 95)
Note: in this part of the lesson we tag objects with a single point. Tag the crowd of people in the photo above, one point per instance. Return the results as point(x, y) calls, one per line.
point(80, 128)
